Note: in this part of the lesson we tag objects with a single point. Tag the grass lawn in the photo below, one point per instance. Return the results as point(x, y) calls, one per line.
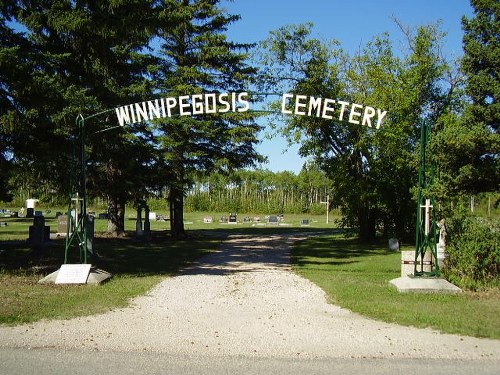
point(357, 276)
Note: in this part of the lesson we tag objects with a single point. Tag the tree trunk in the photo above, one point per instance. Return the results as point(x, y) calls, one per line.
point(176, 202)
point(366, 219)
point(116, 216)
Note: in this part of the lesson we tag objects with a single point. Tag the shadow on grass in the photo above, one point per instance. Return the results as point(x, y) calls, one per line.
point(335, 251)
point(162, 255)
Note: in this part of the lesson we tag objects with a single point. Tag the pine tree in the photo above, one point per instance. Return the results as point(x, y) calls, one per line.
point(87, 57)
point(479, 167)
point(197, 58)
point(481, 61)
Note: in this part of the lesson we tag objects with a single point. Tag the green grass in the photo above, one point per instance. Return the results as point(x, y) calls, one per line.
point(136, 268)
point(356, 276)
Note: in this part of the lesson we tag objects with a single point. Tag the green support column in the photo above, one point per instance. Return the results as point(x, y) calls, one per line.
point(426, 228)
point(76, 233)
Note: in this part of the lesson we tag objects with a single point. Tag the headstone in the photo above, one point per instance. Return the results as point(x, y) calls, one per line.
point(232, 219)
point(273, 220)
point(62, 224)
point(138, 223)
point(393, 244)
point(30, 207)
point(152, 216)
point(304, 222)
point(208, 219)
point(39, 233)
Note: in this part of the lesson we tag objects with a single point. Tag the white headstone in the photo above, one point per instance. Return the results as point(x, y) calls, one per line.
point(393, 244)
point(73, 274)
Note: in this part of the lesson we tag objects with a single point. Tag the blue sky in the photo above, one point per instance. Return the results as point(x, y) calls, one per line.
point(353, 23)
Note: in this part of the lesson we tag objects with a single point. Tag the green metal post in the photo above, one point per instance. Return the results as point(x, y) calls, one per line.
point(426, 233)
point(76, 232)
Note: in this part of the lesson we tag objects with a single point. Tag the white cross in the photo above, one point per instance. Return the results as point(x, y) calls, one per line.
point(76, 200)
point(428, 209)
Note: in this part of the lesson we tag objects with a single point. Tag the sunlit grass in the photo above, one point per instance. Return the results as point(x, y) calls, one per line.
point(356, 276)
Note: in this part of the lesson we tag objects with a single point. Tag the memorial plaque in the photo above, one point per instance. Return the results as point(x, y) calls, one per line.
point(73, 274)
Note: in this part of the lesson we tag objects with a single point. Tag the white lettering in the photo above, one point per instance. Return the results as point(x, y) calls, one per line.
point(213, 99)
point(381, 115)
point(314, 103)
point(224, 102)
point(171, 103)
point(210, 103)
point(242, 99)
point(233, 100)
point(123, 116)
point(327, 108)
point(354, 113)
point(132, 113)
point(343, 105)
point(298, 104)
point(154, 109)
point(162, 102)
point(197, 104)
point(367, 116)
point(141, 111)
point(284, 102)
point(184, 103)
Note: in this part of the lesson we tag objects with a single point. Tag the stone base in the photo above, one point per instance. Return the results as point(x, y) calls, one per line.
point(407, 284)
point(96, 276)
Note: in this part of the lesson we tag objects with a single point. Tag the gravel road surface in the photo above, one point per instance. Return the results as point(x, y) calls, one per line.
point(244, 301)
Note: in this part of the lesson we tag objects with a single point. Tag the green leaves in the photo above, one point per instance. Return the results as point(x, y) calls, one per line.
point(373, 170)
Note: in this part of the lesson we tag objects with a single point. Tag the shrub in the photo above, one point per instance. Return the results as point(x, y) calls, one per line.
point(473, 252)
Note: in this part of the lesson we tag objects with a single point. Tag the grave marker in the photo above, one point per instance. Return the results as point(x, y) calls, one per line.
point(73, 274)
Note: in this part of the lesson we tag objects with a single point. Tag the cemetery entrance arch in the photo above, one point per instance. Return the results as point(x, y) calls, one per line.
point(239, 102)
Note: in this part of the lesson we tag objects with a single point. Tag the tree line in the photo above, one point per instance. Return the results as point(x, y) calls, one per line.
point(62, 58)
point(262, 191)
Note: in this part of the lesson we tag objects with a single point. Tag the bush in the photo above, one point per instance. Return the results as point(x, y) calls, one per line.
point(473, 252)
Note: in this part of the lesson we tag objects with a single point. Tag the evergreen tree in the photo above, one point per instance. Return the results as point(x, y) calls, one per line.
point(479, 167)
point(87, 57)
point(481, 62)
point(12, 73)
point(197, 58)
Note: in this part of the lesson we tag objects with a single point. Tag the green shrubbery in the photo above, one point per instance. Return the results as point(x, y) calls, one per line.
point(473, 252)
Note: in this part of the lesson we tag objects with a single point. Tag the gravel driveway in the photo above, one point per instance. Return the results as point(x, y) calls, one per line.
point(244, 301)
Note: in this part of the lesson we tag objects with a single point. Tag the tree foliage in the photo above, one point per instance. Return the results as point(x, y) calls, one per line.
point(63, 58)
point(467, 139)
point(196, 58)
point(373, 170)
point(261, 191)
